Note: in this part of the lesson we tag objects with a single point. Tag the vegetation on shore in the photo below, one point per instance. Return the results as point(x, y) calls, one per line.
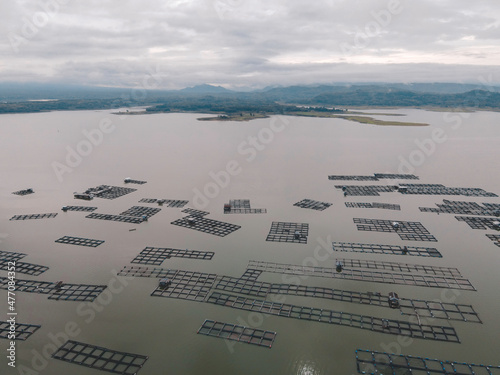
point(315, 101)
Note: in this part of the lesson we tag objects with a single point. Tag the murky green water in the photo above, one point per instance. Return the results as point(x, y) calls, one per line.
point(176, 154)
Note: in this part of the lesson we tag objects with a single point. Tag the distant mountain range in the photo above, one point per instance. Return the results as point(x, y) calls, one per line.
point(18, 97)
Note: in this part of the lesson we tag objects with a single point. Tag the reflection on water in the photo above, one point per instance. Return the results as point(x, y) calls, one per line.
point(304, 366)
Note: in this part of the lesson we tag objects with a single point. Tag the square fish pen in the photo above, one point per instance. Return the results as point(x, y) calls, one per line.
point(140, 211)
point(288, 232)
point(193, 212)
point(33, 216)
point(406, 230)
point(57, 291)
point(364, 190)
point(205, 225)
point(385, 206)
point(375, 363)
point(79, 241)
point(25, 268)
point(480, 222)
point(237, 333)
point(100, 358)
point(156, 255)
point(109, 192)
point(21, 331)
point(189, 285)
point(313, 205)
point(242, 206)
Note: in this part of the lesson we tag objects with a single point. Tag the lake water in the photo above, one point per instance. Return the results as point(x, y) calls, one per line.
point(178, 155)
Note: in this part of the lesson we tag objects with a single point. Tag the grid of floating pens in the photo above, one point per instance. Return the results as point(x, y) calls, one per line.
point(386, 249)
point(237, 333)
point(437, 189)
point(139, 211)
point(202, 224)
point(390, 326)
point(386, 206)
point(429, 280)
point(352, 178)
point(375, 363)
point(364, 190)
point(33, 216)
point(80, 208)
point(285, 232)
point(242, 286)
point(117, 218)
point(374, 177)
point(24, 192)
point(312, 204)
point(100, 358)
point(113, 192)
point(394, 176)
point(406, 230)
point(22, 331)
point(76, 292)
point(193, 212)
point(189, 285)
point(242, 206)
point(66, 292)
point(495, 238)
point(79, 241)
point(156, 255)
point(462, 208)
point(11, 256)
point(169, 202)
point(23, 267)
point(478, 222)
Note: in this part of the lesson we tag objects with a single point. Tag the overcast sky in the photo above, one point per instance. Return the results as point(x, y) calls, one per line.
point(251, 43)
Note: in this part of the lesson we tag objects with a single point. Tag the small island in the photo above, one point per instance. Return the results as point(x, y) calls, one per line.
point(235, 117)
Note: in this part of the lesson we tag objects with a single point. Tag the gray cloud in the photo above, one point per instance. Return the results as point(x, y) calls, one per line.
point(249, 42)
